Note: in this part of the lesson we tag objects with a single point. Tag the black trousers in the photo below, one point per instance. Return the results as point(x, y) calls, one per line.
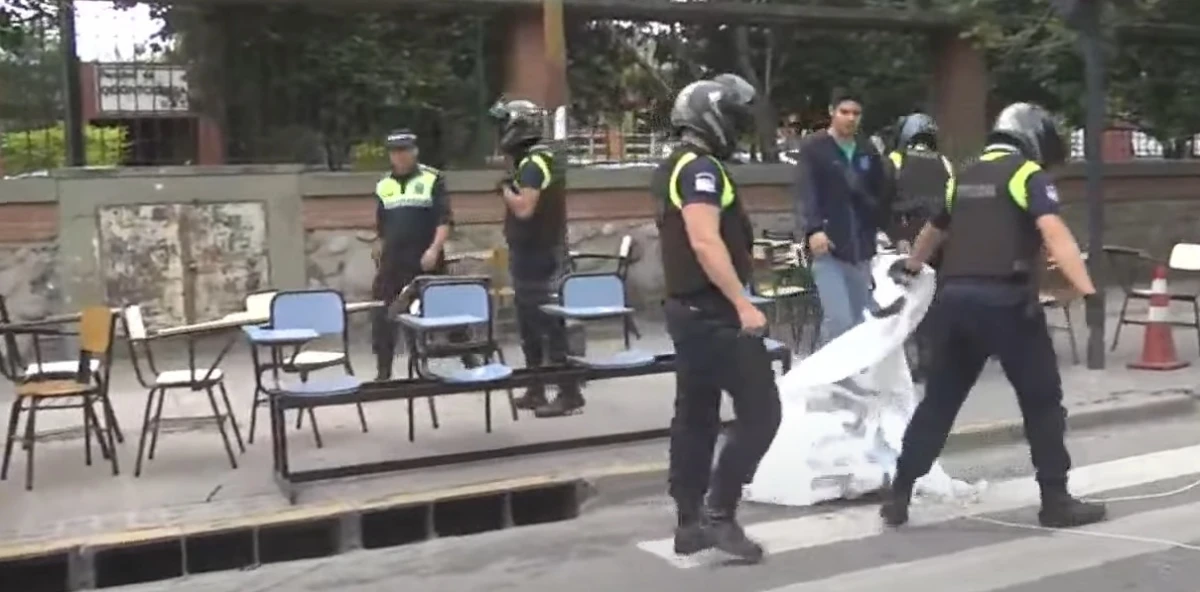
point(394, 273)
point(968, 329)
point(543, 337)
point(712, 355)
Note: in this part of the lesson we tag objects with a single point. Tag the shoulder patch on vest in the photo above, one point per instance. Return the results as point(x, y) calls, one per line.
point(1052, 193)
point(705, 183)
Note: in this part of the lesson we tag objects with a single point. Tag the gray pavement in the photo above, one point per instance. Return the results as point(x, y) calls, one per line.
point(190, 480)
point(989, 544)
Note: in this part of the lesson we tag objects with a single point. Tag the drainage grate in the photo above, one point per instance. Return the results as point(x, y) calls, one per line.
point(136, 564)
point(107, 567)
point(37, 574)
point(471, 515)
point(219, 551)
point(298, 540)
point(545, 505)
point(396, 526)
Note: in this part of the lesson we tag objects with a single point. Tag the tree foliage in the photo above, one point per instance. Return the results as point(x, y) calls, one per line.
point(297, 84)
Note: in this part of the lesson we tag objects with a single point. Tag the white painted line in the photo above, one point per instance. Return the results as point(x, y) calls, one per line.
point(781, 536)
point(1006, 565)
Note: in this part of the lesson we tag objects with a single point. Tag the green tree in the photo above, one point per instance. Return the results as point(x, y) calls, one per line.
point(297, 84)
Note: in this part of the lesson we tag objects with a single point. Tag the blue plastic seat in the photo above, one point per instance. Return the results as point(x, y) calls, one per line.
point(587, 297)
point(478, 374)
point(263, 336)
point(623, 359)
point(426, 323)
point(325, 387)
point(447, 305)
point(595, 297)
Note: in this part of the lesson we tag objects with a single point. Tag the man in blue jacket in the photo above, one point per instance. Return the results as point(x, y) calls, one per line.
point(842, 197)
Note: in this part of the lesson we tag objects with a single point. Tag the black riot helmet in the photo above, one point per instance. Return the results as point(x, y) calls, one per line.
point(1032, 130)
point(520, 123)
point(717, 111)
point(916, 128)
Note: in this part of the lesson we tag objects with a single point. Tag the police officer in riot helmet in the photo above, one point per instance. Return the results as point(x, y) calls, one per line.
point(717, 332)
point(923, 178)
point(1003, 211)
point(535, 228)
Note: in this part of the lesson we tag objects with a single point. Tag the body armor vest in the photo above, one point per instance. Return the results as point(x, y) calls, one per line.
point(547, 227)
point(683, 274)
point(921, 179)
point(991, 232)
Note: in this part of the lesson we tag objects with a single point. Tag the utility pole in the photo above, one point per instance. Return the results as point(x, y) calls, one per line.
point(1084, 17)
point(72, 93)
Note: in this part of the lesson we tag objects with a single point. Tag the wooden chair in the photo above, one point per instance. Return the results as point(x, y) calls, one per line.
point(82, 391)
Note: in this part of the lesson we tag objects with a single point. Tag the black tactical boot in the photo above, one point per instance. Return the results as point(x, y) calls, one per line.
point(724, 533)
point(1060, 510)
point(894, 510)
point(534, 397)
point(568, 402)
point(690, 535)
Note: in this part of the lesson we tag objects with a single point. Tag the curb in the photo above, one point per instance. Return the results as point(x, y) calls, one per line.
point(626, 483)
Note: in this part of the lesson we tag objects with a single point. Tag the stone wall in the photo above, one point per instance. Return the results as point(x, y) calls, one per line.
point(51, 244)
point(29, 279)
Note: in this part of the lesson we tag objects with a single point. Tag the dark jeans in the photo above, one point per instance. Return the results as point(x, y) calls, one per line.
point(970, 327)
point(543, 337)
point(712, 355)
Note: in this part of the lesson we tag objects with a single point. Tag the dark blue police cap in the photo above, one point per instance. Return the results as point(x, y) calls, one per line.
point(401, 139)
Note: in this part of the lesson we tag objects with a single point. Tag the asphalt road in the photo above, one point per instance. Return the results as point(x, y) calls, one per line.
point(1148, 544)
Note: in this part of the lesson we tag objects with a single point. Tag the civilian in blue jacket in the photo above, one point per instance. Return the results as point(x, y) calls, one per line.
point(842, 195)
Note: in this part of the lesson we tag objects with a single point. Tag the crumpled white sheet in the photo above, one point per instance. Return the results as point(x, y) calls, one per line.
point(845, 409)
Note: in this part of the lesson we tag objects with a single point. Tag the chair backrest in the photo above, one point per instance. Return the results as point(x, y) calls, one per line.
point(626, 247)
point(135, 323)
point(323, 311)
point(96, 330)
point(455, 298)
point(259, 303)
point(1185, 257)
point(590, 290)
point(498, 267)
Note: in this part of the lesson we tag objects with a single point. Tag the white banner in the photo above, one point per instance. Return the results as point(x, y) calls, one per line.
point(141, 88)
point(846, 406)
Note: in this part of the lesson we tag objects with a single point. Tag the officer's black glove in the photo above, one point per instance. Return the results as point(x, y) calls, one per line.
point(900, 273)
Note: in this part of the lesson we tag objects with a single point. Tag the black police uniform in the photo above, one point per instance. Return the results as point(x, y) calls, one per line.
point(410, 208)
point(922, 178)
point(711, 352)
point(537, 259)
point(988, 306)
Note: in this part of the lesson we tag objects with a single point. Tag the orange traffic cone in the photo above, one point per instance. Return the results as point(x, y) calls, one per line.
point(1158, 346)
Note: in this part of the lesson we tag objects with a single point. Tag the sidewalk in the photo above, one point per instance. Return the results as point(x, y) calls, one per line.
point(190, 479)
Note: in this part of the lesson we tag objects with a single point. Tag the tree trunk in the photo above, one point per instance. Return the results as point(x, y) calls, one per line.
point(764, 111)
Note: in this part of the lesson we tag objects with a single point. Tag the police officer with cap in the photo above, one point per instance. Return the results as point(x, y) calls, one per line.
point(922, 176)
point(535, 227)
point(412, 222)
point(995, 222)
point(718, 334)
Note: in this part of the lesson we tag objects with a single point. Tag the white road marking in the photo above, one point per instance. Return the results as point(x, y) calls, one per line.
point(1005, 565)
point(781, 536)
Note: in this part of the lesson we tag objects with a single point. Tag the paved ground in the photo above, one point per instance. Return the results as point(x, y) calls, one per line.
point(1148, 545)
point(191, 480)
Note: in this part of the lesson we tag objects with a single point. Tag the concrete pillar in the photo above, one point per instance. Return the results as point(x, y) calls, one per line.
point(535, 67)
point(960, 92)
